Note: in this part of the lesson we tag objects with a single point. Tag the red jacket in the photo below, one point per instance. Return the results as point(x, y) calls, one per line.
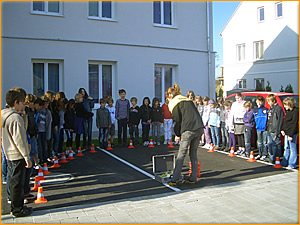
point(166, 112)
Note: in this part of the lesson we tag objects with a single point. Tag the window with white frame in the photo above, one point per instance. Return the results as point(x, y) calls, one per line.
point(163, 79)
point(101, 10)
point(163, 13)
point(47, 75)
point(47, 7)
point(278, 8)
point(100, 79)
point(240, 52)
point(259, 84)
point(241, 83)
point(258, 50)
point(261, 14)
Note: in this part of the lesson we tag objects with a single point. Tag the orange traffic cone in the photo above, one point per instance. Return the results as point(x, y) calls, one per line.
point(79, 152)
point(45, 169)
point(63, 158)
point(232, 152)
point(151, 144)
point(37, 184)
point(70, 155)
point(55, 165)
point(40, 197)
point(130, 144)
point(251, 157)
point(211, 148)
point(171, 144)
point(277, 163)
point(93, 149)
point(109, 146)
point(198, 169)
point(41, 175)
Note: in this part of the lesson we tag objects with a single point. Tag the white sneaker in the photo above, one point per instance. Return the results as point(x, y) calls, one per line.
point(263, 157)
point(257, 157)
point(158, 143)
point(165, 142)
point(145, 143)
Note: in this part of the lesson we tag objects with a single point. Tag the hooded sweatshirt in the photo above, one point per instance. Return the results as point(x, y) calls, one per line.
point(185, 115)
point(14, 138)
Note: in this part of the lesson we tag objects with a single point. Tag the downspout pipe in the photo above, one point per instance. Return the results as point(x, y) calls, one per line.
point(211, 91)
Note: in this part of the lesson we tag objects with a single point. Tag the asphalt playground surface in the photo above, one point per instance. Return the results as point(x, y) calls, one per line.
point(126, 173)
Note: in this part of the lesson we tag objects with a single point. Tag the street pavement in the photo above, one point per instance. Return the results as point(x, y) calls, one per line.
point(230, 190)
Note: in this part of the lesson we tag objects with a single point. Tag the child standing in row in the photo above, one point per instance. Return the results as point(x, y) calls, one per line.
point(112, 111)
point(222, 125)
point(261, 117)
point(229, 127)
point(205, 117)
point(81, 115)
point(69, 123)
point(290, 131)
point(134, 121)
point(168, 122)
point(214, 123)
point(200, 107)
point(157, 120)
point(103, 122)
point(122, 114)
point(275, 119)
point(146, 115)
point(249, 124)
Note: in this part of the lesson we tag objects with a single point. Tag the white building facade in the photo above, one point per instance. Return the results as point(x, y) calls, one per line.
point(142, 47)
point(261, 45)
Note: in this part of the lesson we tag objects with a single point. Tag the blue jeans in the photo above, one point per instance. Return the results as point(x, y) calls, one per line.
point(247, 136)
point(55, 141)
point(3, 165)
point(274, 146)
point(262, 143)
point(156, 129)
point(103, 136)
point(224, 134)
point(215, 134)
point(87, 133)
point(192, 139)
point(290, 152)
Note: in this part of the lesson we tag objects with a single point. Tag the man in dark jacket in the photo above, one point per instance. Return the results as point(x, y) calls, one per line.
point(274, 124)
point(188, 128)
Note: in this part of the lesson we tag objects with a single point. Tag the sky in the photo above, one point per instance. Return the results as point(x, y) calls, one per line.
point(222, 12)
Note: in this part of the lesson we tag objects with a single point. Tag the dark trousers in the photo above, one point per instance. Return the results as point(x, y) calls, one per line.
point(122, 128)
point(16, 180)
point(61, 140)
point(69, 137)
point(134, 133)
point(77, 141)
point(145, 132)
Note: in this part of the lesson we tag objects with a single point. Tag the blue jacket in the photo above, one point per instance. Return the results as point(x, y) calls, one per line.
point(261, 117)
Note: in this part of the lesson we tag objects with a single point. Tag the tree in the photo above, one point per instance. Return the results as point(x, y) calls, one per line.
point(289, 89)
point(268, 87)
point(281, 89)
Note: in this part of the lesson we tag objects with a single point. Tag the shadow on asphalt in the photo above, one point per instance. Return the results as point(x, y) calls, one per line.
point(99, 178)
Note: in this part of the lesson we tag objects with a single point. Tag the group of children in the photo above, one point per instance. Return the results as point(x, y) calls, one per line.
point(132, 115)
point(238, 120)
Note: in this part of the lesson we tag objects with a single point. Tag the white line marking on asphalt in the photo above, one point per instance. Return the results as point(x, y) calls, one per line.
point(259, 161)
point(138, 169)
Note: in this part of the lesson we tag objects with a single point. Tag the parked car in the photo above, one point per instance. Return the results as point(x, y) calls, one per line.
point(280, 96)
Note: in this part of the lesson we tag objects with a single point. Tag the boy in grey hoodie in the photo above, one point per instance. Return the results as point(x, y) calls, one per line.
point(15, 145)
